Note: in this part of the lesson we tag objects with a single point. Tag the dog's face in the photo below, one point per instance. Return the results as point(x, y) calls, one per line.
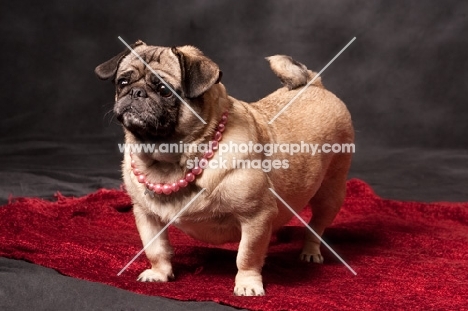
point(144, 104)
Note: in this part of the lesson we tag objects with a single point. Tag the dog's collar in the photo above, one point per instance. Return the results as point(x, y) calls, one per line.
point(168, 188)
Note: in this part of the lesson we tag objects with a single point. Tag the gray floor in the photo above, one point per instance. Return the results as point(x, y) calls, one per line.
point(414, 174)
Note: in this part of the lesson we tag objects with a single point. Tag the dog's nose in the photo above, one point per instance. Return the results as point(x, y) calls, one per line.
point(137, 92)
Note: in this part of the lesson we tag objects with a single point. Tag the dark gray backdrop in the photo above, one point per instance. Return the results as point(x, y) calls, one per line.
point(404, 80)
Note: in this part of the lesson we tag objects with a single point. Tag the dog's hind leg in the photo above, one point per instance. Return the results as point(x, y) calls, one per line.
point(326, 204)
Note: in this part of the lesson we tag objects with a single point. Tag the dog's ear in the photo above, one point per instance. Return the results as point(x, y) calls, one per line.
point(199, 72)
point(108, 69)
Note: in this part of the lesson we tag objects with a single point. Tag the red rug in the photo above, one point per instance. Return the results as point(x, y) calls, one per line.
point(408, 255)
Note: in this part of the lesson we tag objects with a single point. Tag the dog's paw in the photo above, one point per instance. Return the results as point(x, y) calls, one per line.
point(151, 275)
point(249, 289)
point(315, 258)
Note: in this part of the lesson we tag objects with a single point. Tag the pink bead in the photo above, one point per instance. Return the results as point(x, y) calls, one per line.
point(221, 127)
point(203, 163)
point(182, 183)
point(136, 172)
point(208, 154)
point(214, 145)
point(197, 170)
point(133, 164)
point(189, 177)
point(166, 189)
point(141, 179)
point(223, 119)
point(149, 185)
point(175, 187)
point(157, 188)
point(218, 136)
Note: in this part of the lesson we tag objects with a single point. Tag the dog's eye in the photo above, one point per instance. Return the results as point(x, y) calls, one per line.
point(122, 82)
point(163, 90)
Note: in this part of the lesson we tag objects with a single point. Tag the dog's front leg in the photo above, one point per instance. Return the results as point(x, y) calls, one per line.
point(159, 252)
point(256, 234)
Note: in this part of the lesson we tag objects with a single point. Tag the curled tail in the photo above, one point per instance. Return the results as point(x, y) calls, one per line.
point(292, 73)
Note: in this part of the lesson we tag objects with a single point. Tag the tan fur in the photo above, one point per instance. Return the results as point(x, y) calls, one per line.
point(237, 204)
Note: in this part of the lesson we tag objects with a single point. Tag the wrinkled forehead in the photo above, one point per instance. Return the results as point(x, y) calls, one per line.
point(161, 59)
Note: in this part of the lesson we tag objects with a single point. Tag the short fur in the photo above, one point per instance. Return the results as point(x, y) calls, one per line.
point(237, 204)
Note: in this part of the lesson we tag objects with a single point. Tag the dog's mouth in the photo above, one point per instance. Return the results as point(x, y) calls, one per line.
point(146, 125)
point(132, 121)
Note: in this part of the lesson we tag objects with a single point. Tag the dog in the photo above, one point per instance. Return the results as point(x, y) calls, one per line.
point(225, 204)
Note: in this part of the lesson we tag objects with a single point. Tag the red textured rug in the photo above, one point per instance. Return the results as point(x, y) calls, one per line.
point(407, 255)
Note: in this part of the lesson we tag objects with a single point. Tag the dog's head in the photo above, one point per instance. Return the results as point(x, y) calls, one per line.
point(144, 104)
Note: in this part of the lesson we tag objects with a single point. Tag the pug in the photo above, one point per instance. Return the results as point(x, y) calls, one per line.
point(180, 100)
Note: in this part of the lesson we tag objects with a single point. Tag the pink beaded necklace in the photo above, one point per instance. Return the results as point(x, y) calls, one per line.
point(168, 188)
